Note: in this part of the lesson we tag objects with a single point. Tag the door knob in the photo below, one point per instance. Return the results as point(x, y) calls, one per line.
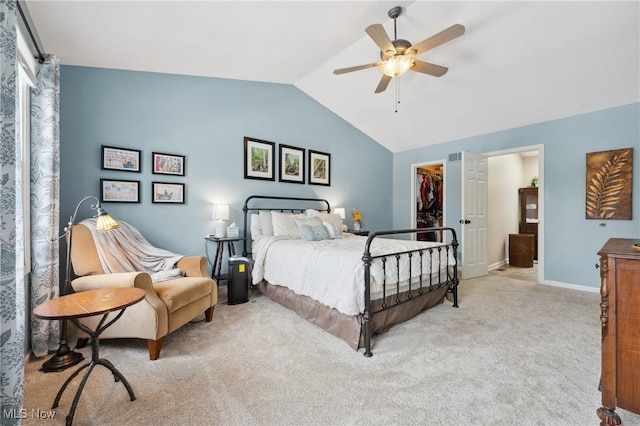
point(465, 221)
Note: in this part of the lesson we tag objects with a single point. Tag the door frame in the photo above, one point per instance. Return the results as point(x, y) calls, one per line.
point(540, 149)
point(413, 215)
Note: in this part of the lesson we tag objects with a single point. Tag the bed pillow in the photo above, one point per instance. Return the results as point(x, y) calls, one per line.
point(314, 233)
point(266, 223)
point(256, 227)
point(332, 218)
point(285, 225)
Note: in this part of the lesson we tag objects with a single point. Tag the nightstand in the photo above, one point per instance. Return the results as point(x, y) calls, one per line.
point(217, 260)
point(362, 233)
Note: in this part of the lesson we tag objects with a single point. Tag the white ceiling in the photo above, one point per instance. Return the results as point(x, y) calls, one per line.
point(518, 63)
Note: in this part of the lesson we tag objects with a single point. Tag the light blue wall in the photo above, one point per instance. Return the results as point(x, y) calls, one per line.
point(206, 119)
point(570, 241)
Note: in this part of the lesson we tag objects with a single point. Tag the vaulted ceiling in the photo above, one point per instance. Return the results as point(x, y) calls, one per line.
point(518, 63)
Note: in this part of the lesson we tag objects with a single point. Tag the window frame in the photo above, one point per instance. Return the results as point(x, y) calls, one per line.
point(26, 79)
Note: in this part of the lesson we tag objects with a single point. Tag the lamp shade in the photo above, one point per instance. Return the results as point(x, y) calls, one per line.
point(340, 212)
point(220, 212)
point(396, 65)
point(104, 222)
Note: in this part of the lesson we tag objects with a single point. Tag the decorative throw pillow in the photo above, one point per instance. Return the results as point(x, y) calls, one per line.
point(335, 232)
point(314, 233)
point(332, 218)
point(266, 223)
point(303, 219)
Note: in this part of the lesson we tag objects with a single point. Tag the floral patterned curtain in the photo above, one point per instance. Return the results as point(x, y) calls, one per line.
point(45, 201)
point(12, 318)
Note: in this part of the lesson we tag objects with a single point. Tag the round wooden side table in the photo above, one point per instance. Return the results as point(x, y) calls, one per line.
point(85, 304)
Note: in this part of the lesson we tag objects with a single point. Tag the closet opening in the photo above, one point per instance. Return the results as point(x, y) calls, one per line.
point(429, 195)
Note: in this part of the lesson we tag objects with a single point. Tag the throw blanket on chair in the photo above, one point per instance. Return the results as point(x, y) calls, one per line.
point(124, 249)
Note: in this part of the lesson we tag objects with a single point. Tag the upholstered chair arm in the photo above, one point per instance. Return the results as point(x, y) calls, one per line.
point(124, 279)
point(193, 266)
point(148, 319)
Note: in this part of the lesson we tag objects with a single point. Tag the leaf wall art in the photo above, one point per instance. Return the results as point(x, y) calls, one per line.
point(609, 183)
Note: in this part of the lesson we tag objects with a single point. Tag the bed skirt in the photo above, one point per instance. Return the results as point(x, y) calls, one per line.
point(350, 327)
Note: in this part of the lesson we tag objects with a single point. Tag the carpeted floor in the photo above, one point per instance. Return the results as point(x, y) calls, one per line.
point(514, 353)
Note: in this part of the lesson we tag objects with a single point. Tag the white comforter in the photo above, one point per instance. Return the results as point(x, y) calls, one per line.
point(332, 272)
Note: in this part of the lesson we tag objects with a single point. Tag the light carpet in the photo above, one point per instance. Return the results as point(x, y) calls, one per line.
point(514, 353)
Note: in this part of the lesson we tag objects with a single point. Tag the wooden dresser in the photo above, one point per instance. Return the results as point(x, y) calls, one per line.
point(620, 320)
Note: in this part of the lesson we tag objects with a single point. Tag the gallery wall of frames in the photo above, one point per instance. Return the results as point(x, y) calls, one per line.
point(128, 190)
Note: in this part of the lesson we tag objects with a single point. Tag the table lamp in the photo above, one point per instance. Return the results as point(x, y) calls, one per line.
point(340, 212)
point(220, 213)
point(65, 357)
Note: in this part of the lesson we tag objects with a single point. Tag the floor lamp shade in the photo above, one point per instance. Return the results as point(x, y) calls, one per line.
point(220, 214)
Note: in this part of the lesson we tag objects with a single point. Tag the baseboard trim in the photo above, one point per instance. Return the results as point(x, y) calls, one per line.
point(571, 286)
point(497, 265)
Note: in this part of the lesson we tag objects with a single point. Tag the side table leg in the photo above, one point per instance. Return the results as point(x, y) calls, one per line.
point(118, 376)
point(76, 398)
point(220, 254)
point(66, 383)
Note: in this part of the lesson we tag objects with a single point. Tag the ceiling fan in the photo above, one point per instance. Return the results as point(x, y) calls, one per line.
point(398, 55)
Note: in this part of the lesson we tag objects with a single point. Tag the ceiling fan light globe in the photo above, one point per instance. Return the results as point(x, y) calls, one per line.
point(397, 65)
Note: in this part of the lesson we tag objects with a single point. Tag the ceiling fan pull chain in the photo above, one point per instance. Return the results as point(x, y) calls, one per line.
point(397, 93)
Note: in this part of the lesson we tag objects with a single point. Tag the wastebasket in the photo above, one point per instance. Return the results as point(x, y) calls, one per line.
point(238, 283)
point(521, 250)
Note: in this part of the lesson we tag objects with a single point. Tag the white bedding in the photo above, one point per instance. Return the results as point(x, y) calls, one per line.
point(332, 271)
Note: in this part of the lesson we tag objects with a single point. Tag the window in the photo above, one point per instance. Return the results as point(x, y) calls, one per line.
point(26, 80)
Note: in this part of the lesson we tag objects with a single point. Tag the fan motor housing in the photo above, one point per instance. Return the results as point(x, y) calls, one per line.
point(400, 46)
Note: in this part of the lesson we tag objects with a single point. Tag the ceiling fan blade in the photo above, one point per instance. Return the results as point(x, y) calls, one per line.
point(356, 68)
point(436, 40)
point(384, 82)
point(380, 37)
point(428, 68)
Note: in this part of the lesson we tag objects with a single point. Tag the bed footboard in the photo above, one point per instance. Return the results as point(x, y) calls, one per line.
point(425, 283)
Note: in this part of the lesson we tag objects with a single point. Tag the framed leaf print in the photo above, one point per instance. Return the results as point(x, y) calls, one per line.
point(258, 159)
point(319, 168)
point(291, 164)
point(609, 181)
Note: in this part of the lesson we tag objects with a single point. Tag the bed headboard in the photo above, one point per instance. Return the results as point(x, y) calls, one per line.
point(256, 203)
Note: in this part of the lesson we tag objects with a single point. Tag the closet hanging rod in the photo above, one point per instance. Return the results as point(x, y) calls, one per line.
point(40, 55)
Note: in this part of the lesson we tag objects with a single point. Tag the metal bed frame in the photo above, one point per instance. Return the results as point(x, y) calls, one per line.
point(450, 278)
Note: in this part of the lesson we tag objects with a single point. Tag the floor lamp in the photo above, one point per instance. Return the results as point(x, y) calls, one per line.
point(65, 357)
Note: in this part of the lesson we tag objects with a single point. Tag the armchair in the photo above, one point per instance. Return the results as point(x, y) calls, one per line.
point(167, 305)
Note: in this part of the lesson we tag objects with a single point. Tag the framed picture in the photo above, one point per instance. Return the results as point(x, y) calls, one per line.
point(319, 168)
point(168, 193)
point(119, 191)
point(609, 184)
point(258, 159)
point(168, 164)
point(291, 164)
point(123, 159)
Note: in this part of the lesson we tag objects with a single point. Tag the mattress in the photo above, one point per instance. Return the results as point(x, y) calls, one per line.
point(332, 271)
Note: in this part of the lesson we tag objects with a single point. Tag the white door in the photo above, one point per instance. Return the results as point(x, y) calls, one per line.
point(474, 215)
